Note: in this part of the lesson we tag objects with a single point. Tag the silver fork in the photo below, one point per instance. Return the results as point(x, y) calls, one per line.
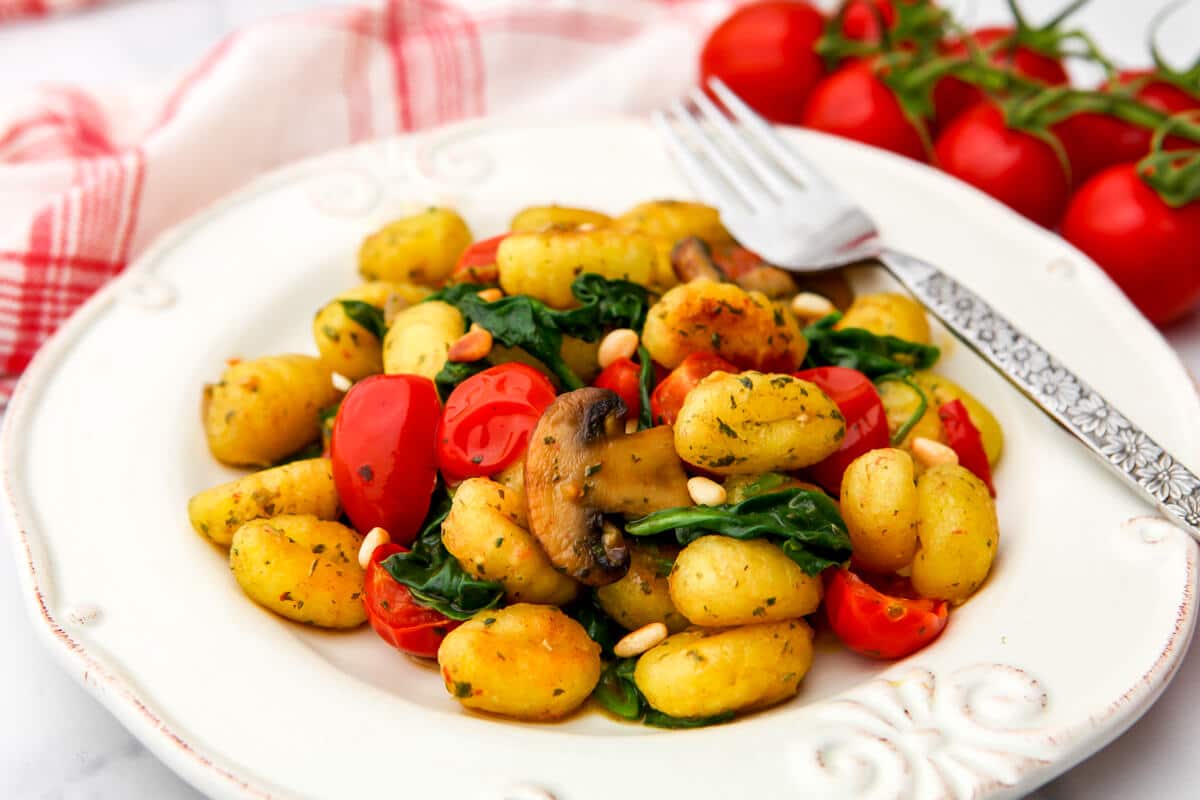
point(780, 205)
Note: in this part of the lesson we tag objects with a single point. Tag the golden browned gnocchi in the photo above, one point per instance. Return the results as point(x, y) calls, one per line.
point(421, 249)
point(525, 661)
point(756, 422)
point(419, 339)
point(888, 314)
point(958, 533)
point(346, 346)
point(643, 595)
point(901, 402)
point(879, 505)
point(708, 672)
point(543, 265)
point(487, 531)
point(668, 222)
point(706, 316)
point(718, 581)
point(540, 218)
point(264, 410)
point(301, 487)
point(302, 568)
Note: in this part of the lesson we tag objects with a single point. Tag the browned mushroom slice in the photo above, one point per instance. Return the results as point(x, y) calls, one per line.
point(771, 281)
point(691, 258)
point(582, 465)
point(831, 284)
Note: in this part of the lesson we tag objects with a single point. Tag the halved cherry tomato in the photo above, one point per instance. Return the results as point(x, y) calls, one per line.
point(866, 422)
point(879, 625)
point(856, 103)
point(391, 611)
point(477, 264)
point(623, 376)
point(1014, 166)
point(382, 450)
point(964, 439)
point(489, 418)
point(953, 96)
point(765, 53)
point(1150, 249)
point(669, 395)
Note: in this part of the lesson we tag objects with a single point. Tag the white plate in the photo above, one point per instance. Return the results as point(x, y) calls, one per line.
point(1088, 612)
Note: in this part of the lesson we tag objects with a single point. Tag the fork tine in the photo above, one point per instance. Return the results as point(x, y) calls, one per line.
point(781, 182)
point(753, 193)
point(690, 163)
point(799, 166)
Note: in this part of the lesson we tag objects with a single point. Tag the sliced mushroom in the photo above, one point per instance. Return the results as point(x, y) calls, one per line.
point(827, 283)
point(691, 258)
point(582, 465)
point(771, 281)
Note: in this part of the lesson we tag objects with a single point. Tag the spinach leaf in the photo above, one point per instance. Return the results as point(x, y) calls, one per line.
point(602, 628)
point(808, 523)
point(455, 373)
point(521, 321)
point(434, 576)
point(367, 315)
point(864, 351)
point(645, 387)
point(617, 693)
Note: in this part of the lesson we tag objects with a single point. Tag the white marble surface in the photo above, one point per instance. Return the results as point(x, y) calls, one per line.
point(57, 742)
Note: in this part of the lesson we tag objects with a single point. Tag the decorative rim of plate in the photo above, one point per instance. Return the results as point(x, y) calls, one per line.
point(205, 771)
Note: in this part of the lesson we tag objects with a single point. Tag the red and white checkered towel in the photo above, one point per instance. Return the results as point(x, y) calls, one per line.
point(86, 182)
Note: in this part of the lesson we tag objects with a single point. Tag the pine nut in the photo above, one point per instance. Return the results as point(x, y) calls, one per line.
point(811, 306)
point(621, 343)
point(377, 537)
point(491, 295)
point(931, 453)
point(705, 491)
point(637, 642)
point(631, 426)
point(471, 346)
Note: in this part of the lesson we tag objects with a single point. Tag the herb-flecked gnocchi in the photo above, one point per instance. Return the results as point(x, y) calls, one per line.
point(605, 458)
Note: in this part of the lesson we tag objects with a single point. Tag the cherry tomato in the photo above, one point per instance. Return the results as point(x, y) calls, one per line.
point(382, 450)
point(623, 376)
point(477, 264)
point(866, 421)
point(488, 420)
point(952, 96)
point(394, 615)
point(669, 395)
point(878, 625)
point(963, 438)
point(765, 53)
point(1015, 167)
point(861, 19)
point(854, 102)
point(1151, 250)
point(1095, 142)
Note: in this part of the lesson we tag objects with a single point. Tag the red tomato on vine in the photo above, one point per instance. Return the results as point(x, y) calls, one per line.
point(855, 102)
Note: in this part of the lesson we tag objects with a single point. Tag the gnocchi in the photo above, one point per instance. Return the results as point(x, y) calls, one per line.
point(420, 249)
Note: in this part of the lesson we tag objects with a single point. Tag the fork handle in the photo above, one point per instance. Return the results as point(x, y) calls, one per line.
point(1128, 450)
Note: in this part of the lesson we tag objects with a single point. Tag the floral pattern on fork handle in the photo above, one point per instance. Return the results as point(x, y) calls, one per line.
point(1079, 408)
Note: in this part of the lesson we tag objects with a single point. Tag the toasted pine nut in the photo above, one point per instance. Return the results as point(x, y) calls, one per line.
point(472, 345)
point(621, 343)
point(375, 538)
point(705, 491)
point(637, 642)
point(491, 295)
point(341, 382)
point(931, 453)
point(811, 306)
point(631, 426)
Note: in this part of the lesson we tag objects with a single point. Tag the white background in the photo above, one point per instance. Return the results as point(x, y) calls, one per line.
point(56, 742)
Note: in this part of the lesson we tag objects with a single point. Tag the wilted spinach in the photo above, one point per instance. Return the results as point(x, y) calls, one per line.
point(434, 576)
point(859, 349)
point(806, 524)
point(367, 315)
point(521, 321)
point(618, 693)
